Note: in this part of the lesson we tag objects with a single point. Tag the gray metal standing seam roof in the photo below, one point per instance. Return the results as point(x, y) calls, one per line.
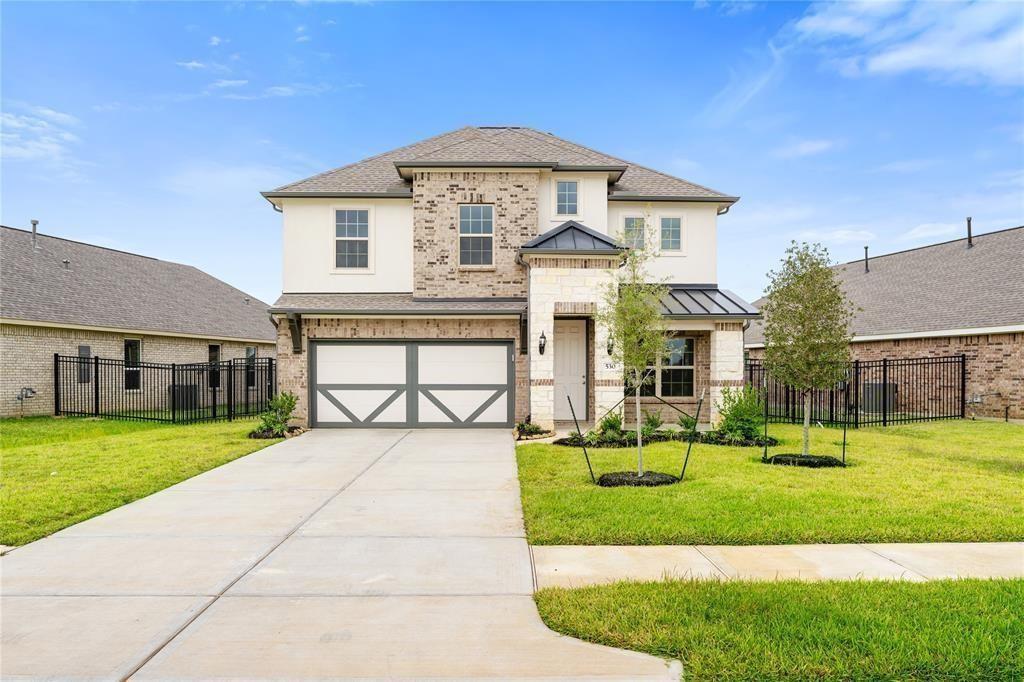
point(379, 176)
point(68, 282)
point(704, 300)
point(573, 237)
point(934, 288)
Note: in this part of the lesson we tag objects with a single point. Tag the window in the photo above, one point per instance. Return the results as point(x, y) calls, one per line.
point(352, 238)
point(132, 364)
point(250, 366)
point(84, 368)
point(476, 234)
point(633, 232)
point(567, 197)
point(671, 234)
point(673, 376)
point(213, 354)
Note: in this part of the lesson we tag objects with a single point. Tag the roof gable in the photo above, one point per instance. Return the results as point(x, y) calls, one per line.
point(573, 237)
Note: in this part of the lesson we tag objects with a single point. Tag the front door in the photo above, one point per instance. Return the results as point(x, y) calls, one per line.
point(570, 350)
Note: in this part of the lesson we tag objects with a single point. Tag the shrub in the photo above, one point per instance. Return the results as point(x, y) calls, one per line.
point(686, 422)
point(742, 414)
point(274, 422)
point(611, 423)
point(528, 429)
point(652, 422)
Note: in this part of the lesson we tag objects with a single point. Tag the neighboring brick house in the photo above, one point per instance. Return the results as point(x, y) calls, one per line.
point(940, 300)
point(454, 283)
point(76, 299)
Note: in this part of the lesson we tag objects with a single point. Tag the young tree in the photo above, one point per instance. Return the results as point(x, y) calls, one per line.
point(806, 325)
point(631, 312)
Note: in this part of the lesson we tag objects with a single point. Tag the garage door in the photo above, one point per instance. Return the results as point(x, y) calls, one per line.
point(364, 384)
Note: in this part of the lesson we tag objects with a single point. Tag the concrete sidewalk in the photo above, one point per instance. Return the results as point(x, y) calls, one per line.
point(335, 555)
point(576, 566)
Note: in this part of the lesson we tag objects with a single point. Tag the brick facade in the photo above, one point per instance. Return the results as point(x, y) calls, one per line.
point(995, 365)
point(26, 357)
point(436, 200)
point(293, 367)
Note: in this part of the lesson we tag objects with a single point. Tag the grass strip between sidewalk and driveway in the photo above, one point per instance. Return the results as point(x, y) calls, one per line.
point(849, 630)
point(57, 472)
point(956, 481)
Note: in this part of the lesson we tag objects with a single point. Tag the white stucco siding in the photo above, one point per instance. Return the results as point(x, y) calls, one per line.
point(309, 233)
point(593, 200)
point(696, 261)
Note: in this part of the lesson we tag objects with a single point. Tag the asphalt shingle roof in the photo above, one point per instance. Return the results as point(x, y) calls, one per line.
point(393, 304)
point(935, 288)
point(101, 287)
point(378, 175)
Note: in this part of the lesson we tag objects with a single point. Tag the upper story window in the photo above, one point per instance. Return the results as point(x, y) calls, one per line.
point(671, 234)
point(633, 232)
point(351, 238)
point(567, 197)
point(476, 234)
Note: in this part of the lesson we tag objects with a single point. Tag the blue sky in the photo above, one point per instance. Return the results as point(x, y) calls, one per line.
point(152, 127)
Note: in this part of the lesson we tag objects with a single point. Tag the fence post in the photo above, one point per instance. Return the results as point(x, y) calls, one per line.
point(174, 392)
point(231, 391)
point(56, 385)
point(856, 394)
point(963, 385)
point(96, 385)
point(885, 391)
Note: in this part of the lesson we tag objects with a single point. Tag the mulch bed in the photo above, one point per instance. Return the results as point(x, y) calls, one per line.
point(292, 432)
point(705, 437)
point(535, 436)
point(810, 461)
point(629, 478)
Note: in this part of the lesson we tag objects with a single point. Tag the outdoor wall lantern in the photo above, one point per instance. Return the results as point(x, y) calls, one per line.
point(543, 343)
point(611, 345)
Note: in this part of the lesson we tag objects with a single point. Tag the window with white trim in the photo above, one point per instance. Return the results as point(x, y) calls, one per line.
point(567, 197)
point(673, 375)
point(633, 232)
point(351, 238)
point(671, 234)
point(476, 234)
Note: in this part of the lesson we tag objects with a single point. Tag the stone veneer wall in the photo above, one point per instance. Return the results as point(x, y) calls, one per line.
point(436, 200)
point(26, 357)
point(293, 368)
point(569, 287)
point(995, 364)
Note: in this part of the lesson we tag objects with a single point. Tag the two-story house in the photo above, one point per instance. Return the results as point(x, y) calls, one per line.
point(454, 283)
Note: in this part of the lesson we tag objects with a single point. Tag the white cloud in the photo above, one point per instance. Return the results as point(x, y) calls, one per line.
point(192, 65)
point(300, 28)
point(838, 235)
point(215, 41)
point(291, 90)
point(907, 166)
point(303, 39)
point(929, 231)
point(222, 83)
point(742, 88)
point(973, 42)
point(41, 137)
point(803, 148)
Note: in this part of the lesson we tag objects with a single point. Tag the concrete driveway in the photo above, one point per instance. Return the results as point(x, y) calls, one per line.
point(339, 554)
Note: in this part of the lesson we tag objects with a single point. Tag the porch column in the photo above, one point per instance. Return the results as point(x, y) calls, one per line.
point(726, 363)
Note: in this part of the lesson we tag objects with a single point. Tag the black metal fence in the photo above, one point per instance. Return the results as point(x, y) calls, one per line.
point(876, 392)
point(156, 391)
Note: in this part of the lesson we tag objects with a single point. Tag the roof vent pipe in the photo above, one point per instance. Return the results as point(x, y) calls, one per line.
point(970, 237)
point(35, 225)
point(866, 268)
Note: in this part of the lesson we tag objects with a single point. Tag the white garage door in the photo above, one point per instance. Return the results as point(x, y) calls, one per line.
point(411, 384)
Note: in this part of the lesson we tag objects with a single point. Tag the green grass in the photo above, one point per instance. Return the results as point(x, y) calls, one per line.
point(858, 630)
point(57, 472)
point(942, 481)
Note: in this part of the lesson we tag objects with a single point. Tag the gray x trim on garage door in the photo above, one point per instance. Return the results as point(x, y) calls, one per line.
point(411, 384)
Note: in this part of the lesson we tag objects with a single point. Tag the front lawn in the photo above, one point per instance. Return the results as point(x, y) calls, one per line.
point(841, 630)
point(57, 472)
point(955, 481)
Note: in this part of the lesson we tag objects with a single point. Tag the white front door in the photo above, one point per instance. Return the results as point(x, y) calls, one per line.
point(570, 348)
